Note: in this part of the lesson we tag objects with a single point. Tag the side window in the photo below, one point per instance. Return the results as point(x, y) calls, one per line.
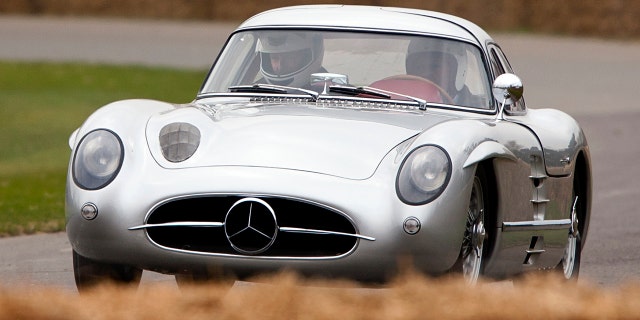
point(501, 65)
point(495, 63)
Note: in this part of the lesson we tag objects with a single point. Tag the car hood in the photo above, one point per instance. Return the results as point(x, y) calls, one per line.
point(338, 142)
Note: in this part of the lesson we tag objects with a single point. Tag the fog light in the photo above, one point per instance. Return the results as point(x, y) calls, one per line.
point(89, 211)
point(179, 141)
point(411, 225)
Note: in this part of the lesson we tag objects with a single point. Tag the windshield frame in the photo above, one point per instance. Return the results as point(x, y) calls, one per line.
point(483, 69)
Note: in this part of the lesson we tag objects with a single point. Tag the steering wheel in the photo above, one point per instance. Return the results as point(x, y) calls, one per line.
point(443, 93)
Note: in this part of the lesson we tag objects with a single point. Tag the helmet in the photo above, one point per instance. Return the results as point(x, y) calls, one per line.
point(289, 58)
point(440, 51)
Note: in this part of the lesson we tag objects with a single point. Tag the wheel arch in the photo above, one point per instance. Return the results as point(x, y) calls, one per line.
point(582, 183)
point(484, 170)
point(486, 167)
point(482, 157)
point(486, 152)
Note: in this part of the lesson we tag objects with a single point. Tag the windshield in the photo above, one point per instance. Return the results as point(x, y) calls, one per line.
point(435, 69)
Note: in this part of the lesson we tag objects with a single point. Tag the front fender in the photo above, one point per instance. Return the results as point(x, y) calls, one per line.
point(487, 150)
point(122, 117)
point(73, 138)
point(560, 135)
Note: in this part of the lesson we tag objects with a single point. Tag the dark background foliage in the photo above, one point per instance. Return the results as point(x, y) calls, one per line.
point(601, 18)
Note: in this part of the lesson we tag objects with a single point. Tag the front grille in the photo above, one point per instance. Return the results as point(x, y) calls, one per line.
point(289, 214)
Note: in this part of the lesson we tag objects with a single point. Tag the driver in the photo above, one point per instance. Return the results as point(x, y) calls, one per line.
point(289, 58)
point(443, 63)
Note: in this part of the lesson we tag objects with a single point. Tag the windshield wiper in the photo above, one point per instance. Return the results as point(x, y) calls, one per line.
point(272, 88)
point(359, 90)
point(377, 93)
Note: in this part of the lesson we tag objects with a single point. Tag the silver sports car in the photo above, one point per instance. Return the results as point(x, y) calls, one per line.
point(334, 141)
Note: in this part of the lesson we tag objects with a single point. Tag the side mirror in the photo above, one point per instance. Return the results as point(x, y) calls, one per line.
point(507, 89)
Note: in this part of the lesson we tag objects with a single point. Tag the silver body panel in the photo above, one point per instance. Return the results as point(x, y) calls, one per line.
point(373, 18)
point(337, 157)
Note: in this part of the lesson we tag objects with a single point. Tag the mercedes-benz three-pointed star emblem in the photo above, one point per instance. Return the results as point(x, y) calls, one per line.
point(250, 226)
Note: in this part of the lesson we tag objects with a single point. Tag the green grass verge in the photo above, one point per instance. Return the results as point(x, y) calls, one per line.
point(40, 106)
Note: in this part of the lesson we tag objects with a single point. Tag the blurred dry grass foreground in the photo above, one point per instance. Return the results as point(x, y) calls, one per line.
point(285, 296)
point(602, 18)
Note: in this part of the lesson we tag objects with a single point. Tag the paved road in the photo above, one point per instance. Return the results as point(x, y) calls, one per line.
point(183, 45)
point(593, 80)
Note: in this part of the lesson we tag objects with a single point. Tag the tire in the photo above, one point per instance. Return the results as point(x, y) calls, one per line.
point(88, 273)
point(569, 266)
point(473, 250)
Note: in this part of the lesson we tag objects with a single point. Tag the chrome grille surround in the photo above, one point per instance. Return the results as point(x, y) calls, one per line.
point(213, 224)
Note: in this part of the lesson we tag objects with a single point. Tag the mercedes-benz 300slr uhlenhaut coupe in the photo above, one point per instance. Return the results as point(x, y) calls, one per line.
point(333, 141)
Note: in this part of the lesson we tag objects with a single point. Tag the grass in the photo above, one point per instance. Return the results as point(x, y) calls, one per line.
point(40, 105)
point(287, 296)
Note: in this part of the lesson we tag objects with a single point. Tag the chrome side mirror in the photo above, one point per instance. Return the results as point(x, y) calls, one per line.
point(507, 89)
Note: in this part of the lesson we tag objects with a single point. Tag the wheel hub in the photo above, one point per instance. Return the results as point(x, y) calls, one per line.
point(478, 235)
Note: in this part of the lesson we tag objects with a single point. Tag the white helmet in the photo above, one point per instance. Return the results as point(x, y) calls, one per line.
point(444, 48)
point(289, 58)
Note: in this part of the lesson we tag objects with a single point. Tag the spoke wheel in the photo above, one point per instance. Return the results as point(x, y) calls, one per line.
point(570, 264)
point(89, 273)
point(569, 258)
point(472, 251)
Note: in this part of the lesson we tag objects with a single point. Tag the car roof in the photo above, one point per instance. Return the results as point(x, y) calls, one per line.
point(388, 19)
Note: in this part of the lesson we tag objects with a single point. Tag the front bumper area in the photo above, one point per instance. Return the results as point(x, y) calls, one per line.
point(375, 243)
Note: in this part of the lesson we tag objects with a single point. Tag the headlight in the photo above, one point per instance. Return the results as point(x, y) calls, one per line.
point(423, 175)
point(179, 141)
point(97, 160)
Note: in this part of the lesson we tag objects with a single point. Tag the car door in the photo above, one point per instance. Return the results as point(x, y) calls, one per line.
point(558, 133)
point(518, 182)
point(531, 205)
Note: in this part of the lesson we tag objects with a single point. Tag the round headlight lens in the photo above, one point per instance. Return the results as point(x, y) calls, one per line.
point(423, 175)
point(97, 160)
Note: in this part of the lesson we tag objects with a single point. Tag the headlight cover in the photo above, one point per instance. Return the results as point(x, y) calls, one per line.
point(97, 160)
point(179, 141)
point(423, 175)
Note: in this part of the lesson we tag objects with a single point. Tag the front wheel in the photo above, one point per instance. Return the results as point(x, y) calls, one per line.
point(472, 252)
point(89, 273)
point(570, 264)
